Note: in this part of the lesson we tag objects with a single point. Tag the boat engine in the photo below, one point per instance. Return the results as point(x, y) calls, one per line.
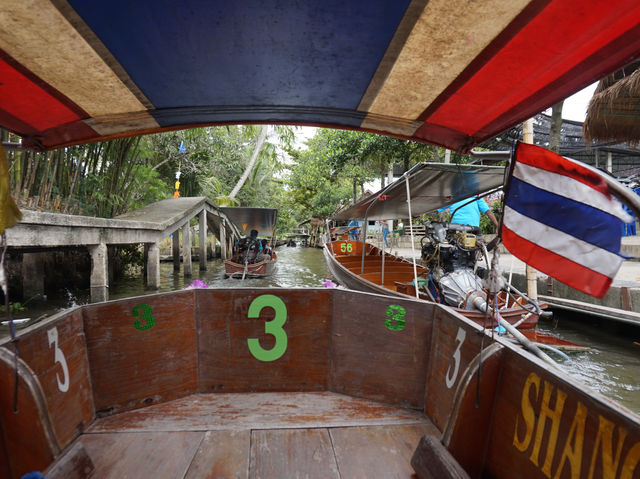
point(450, 252)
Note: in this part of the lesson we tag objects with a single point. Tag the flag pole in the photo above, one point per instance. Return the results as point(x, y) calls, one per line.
point(531, 274)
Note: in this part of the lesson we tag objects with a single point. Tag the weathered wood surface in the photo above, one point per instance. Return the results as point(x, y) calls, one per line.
point(30, 442)
point(73, 464)
point(473, 410)
point(228, 365)
point(142, 455)
point(453, 345)
point(431, 460)
point(380, 348)
point(281, 453)
point(378, 452)
point(554, 426)
point(222, 455)
point(142, 350)
point(56, 353)
point(237, 411)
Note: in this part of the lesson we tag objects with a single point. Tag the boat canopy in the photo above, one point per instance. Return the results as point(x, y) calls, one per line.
point(450, 72)
point(432, 186)
point(246, 219)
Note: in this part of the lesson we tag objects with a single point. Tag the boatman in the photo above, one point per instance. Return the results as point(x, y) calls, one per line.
point(353, 232)
point(468, 212)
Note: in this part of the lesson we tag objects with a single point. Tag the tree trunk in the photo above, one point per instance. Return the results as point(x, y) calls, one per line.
point(555, 129)
point(254, 157)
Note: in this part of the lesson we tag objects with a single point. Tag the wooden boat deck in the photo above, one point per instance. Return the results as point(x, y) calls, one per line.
point(266, 435)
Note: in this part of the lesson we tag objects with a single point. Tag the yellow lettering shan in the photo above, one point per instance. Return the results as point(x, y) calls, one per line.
point(604, 441)
point(573, 446)
point(610, 459)
point(554, 416)
point(529, 415)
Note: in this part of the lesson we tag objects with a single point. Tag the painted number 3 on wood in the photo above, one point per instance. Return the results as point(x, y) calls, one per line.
point(143, 311)
point(58, 357)
point(273, 327)
point(451, 379)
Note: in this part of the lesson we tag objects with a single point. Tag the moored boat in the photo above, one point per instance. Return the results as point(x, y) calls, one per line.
point(274, 383)
point(385, 273)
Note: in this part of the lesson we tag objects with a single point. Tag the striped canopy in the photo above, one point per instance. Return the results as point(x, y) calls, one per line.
point(449, 72)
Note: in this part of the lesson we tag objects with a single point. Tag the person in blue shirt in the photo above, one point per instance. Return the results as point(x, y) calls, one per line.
point(470, 213)
point(353, 233)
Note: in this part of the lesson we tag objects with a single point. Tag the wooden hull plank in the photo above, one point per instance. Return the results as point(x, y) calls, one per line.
point(395, 359)
point(453, 346)
point(142, 350)
point(27, 435)
point(222, 455)
point(56, 353)
point(554, 426)
point(228, 365)
point(292, 453)
point(378, 452)
point(237, 411)
point(123, 456)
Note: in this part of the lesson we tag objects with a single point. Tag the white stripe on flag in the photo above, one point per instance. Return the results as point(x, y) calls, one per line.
point(563, 244)
point(569, 188)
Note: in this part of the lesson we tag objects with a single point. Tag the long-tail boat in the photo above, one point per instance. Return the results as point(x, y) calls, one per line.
point(449, 274)
point(253, 257)
point(280, 383)
point(396, 277)
point(288, 383)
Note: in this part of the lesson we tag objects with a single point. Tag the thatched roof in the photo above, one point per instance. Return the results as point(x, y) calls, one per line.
point(614, 110)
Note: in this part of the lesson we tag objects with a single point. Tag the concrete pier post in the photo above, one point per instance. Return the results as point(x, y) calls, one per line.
point(32, 275)
point(212, 247)
point(153, 266)
point(99, 273)
point(175, 250)
point(202, 238)
point(223, 241)
point(186, 250)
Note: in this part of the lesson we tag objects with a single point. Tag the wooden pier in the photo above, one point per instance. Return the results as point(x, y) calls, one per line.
point(148, 225)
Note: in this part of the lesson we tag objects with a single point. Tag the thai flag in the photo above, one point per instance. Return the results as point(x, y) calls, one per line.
point(561, 219)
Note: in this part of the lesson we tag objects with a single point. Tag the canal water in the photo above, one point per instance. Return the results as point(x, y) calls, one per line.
point(611, 366)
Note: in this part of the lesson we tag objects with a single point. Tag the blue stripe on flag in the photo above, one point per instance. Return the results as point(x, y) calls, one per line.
point(576, 219)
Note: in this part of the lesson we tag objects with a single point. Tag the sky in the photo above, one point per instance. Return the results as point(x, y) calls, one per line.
point(575, 107)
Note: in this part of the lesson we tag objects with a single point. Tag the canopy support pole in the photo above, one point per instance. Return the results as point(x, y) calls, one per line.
point(383, 256)
point(413, 251)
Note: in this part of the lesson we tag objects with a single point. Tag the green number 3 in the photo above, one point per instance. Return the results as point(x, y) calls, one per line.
point(143, 311)
point(395, 314)
point(273, 327)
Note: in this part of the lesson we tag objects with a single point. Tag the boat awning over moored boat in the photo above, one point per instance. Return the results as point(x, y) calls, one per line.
point(432, 186)
point(450, 72)
point(246, 219)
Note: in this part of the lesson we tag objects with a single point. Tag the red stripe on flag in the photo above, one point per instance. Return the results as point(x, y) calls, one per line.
point(564, 270)
point(538, 157)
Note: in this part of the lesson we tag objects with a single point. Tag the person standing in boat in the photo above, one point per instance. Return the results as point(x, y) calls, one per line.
point(353, 232)
point(469, 212)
